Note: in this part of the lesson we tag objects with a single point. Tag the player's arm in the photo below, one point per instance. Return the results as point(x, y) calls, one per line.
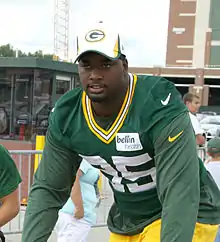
point(177, 164)
point(9, 181)
point(200, 139)
point(9, 207)
point(177, 180)
point(51, 188)
point(76, 196)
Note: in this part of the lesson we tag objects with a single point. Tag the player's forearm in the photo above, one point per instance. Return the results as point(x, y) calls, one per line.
point(178, 181)
point(8, 211)
point(50, 190)
point(9, 207)
point(179, 216)
point(41, 213)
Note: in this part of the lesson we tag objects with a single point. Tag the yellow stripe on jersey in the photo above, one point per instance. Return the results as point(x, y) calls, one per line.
point(107, 136)
point(106, 132)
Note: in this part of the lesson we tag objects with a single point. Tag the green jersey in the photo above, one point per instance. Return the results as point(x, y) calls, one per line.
point(148, 153)
point(9, 175)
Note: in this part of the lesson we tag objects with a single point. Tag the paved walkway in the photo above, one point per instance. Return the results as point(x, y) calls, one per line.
point(96, 234)
point(101, 233)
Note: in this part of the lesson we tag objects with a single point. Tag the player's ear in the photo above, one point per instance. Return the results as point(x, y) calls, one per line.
point(125, 65)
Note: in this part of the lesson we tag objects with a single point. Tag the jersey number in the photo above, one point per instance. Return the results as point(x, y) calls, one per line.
point(135, 174)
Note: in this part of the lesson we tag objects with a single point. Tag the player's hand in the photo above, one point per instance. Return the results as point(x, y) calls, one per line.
point(79, 213)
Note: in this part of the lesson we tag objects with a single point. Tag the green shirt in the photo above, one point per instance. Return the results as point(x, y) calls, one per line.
point(148, 154)
point(9, 175)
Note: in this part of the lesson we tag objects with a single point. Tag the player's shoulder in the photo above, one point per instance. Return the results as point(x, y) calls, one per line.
point(156, 99)
point(156, 85)
point(157, 89)
point(148, 80)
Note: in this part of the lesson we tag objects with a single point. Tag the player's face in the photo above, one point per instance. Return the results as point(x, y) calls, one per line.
point(101, 78)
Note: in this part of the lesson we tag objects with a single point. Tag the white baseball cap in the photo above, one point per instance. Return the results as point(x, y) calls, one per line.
point(101, 40)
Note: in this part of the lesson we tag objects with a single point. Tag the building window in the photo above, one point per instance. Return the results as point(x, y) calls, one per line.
point(26, 101)
point(42, 104)
point(214, 90)
point(214, 97)
point(77, 81)
point(5, 106)
point(23, 107)
point(63, 85)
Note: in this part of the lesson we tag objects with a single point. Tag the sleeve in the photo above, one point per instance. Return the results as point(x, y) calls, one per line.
point(52, 185)
point(9, 175)
point(177, 167)
point(84, 166)
point(196, 125)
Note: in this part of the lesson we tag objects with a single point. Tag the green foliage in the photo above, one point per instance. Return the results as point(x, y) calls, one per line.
point(8, 51)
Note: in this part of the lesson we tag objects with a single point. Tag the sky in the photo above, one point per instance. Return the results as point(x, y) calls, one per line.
point(29, 25)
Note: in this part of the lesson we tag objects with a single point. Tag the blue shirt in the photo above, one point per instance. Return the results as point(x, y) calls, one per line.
point(87, 181)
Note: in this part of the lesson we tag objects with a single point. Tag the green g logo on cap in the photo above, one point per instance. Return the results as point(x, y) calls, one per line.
point(95, 36)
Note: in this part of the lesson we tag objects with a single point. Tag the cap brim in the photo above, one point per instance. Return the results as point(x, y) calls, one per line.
point(98, 52)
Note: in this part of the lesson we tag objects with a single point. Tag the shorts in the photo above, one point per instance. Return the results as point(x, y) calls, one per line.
point(202, 233)
point(70, 229)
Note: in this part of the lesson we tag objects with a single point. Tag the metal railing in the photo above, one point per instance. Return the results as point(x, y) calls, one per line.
point(25, 160)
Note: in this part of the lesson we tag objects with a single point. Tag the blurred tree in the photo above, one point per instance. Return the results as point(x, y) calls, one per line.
point(8, 51)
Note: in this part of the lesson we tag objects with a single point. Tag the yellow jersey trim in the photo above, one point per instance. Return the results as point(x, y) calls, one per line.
point(107, 136)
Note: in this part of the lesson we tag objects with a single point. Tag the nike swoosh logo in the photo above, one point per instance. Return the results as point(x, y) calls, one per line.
point(166, 101)
point(171, 139)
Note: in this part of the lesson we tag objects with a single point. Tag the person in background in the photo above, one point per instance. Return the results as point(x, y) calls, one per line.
point(78, 215)
point(213, 165)
point(193, 104)
point(9, 181)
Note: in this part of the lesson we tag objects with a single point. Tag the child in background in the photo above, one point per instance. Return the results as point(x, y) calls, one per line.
point(78, 214)
point(213, 165)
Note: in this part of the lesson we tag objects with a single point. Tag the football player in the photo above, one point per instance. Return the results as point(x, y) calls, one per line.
point(137, 131)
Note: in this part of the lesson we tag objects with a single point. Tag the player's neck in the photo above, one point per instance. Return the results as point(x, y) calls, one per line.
point(110, 107)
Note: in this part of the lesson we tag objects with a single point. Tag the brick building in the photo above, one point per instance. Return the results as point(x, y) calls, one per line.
point(194, 33)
